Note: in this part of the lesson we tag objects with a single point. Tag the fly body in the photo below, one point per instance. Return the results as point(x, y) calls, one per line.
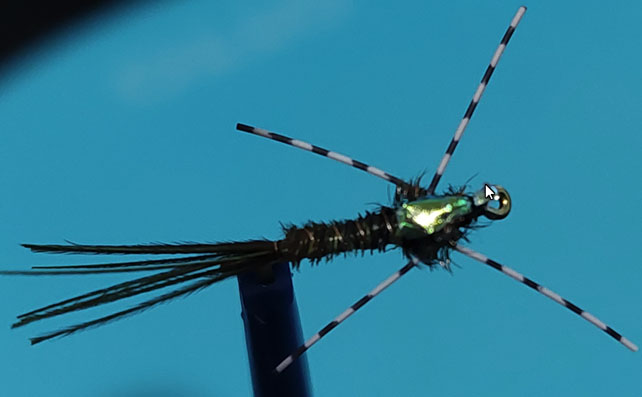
point(427, 227)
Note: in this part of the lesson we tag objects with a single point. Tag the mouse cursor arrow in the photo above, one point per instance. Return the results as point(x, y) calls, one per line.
point(489, 192)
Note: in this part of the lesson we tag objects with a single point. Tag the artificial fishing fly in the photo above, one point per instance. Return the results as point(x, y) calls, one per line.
point(426, 226)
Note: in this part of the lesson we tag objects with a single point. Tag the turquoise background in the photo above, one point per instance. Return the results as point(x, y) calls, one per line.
point(122, 131)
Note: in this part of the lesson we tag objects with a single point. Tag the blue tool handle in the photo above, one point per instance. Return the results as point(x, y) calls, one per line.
point(272, 332)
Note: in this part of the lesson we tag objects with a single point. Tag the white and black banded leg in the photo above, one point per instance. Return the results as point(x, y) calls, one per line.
point(549, 294)
point(473, 103)
point(343, 316)
point(323, 152)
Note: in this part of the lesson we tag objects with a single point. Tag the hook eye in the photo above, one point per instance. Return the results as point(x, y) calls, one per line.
point(502, 211)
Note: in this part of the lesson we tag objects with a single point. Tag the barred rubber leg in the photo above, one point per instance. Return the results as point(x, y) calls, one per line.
point(323, 152)
point(347, 313)
point(549, 294)
point(473, 103)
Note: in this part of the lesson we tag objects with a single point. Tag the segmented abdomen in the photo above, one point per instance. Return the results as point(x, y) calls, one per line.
point(314, 241)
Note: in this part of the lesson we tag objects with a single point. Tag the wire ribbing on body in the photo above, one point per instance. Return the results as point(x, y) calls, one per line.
point(473, 103)
point(318, 240)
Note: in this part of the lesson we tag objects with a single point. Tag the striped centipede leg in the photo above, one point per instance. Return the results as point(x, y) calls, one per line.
point(549, 294)
point(323, 152)
point(347, 313)
point(473, 103)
